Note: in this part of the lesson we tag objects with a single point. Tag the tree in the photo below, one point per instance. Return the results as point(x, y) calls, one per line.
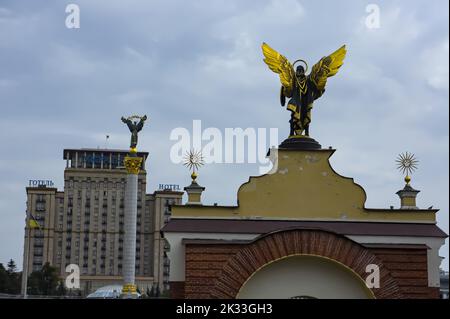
point(9, 278)
point(45, 282)
point(3, 278)
point(11, 266)
point(34, 283)
point(50, 278)
point(61, 290)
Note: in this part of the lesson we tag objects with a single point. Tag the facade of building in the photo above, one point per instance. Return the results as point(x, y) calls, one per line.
point(83, 224)
point(303, 231)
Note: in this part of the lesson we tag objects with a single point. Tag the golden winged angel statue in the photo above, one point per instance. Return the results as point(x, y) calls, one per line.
point(302, 89)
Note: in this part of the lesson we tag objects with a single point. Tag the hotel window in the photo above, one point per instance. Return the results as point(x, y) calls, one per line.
point(40, 206)
point(38, 233)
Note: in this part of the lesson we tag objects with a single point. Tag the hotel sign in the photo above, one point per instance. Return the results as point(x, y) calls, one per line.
point(171, 187)
point(40, 183)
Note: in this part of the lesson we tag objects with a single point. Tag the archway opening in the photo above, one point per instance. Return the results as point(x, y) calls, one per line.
point(304, 275)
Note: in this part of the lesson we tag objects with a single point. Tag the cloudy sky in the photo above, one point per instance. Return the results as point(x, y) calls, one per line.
point(179, 61)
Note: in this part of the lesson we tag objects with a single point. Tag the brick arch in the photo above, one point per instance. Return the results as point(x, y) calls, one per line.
point(277, 245)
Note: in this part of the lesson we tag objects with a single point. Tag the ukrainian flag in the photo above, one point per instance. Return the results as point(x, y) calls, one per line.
point(32, 222)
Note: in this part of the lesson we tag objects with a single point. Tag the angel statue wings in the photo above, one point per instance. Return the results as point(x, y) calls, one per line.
point(302, 89)
point(135, 127)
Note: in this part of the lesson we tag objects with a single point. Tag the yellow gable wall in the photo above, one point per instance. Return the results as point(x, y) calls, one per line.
point(304, 186)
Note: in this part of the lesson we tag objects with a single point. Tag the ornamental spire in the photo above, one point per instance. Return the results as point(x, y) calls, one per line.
point(407, 163)
point(193, 160)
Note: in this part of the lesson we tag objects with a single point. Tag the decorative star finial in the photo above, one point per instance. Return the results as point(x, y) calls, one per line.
point(193, 160)
point(407, 163)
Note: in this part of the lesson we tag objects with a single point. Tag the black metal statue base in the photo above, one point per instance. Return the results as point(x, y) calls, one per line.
point(300, 142)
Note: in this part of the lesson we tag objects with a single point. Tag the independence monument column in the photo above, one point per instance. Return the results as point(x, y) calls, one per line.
point(133, 165)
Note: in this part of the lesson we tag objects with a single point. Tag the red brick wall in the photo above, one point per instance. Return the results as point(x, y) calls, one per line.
point(204, 264)
point(409, 268)
point(219, 270)
point(177, 290)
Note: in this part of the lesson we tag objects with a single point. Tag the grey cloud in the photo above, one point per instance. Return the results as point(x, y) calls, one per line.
point(178, 62)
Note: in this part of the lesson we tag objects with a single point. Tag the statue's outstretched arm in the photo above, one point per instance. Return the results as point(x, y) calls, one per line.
point(128, 123)
point(140, 125)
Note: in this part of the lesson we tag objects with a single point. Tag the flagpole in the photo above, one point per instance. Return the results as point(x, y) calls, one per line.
point(25, 268)
point(28, 227)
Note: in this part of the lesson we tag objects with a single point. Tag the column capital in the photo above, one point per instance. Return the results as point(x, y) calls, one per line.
point(133, 164)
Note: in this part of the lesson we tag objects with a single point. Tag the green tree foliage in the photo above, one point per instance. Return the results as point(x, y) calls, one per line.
point(3, 278)
point(11, 266)
point(9, 278)
point(45, 282)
